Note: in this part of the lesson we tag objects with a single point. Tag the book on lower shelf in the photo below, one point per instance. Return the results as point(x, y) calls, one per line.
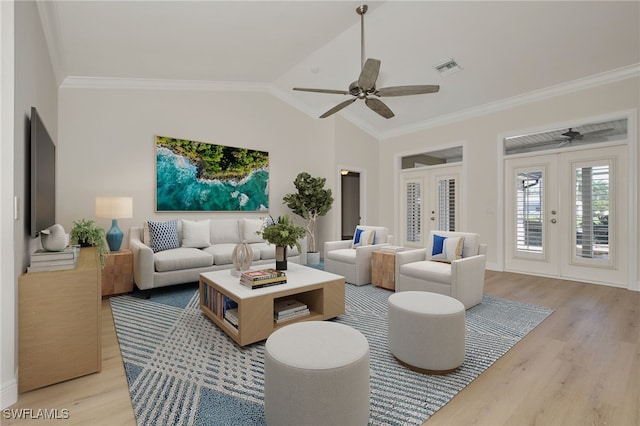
point(297, 314)
point(286, 309)
point(231, 316)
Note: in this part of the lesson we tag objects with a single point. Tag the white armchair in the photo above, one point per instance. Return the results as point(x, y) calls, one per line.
point(462, 279)
point(354, 263)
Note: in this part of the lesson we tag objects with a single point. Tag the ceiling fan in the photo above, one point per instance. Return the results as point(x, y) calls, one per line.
point(573, 135)
point(365, 86)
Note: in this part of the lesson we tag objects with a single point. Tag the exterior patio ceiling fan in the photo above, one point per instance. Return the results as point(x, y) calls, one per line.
point(573, 135)
point(365, 86)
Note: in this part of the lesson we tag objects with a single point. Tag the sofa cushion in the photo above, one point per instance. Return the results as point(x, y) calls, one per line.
point(426, 270)
point(181, 258)
point(225, 231)
point(268, 251)
point(196, 234)
point(163, 235)
point(221, 253)
point(250, 229)
point(469, 247)
point(343, 255)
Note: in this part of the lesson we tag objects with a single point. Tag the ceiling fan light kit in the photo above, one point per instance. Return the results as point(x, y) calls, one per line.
point(365, 87)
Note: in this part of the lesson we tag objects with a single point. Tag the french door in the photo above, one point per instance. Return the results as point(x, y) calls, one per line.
point(430, 200)
point(566, 215)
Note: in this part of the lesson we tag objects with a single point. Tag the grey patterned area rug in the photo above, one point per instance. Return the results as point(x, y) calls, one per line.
point(183, 370)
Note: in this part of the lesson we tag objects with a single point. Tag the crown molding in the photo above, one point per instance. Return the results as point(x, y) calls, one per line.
point(50, 20)
point(631, 71)
point(79, 82)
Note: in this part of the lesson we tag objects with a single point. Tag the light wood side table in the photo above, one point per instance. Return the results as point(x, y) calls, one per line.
point(383, 269)
point(117, 275)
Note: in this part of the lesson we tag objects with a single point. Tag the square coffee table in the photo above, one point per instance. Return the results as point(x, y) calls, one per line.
point(322, 292)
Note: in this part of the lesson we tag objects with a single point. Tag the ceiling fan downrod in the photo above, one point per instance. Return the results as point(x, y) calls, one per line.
point(361, 10)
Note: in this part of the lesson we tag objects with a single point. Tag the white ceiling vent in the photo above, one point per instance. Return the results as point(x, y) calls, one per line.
point(448, 67)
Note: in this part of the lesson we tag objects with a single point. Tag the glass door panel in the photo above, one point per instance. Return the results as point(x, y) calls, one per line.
point(531, 215)
point(592, 203)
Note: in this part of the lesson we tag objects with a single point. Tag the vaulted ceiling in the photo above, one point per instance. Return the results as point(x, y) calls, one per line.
point(509, 52)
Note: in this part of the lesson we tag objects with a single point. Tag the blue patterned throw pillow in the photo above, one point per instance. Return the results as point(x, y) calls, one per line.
point(164, 235)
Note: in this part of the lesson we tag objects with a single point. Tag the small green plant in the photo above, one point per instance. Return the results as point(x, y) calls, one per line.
point(282, 232)
point(86, 233)
point(311, 201)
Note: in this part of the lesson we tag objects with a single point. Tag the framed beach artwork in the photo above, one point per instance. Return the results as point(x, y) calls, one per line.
point(200, 176)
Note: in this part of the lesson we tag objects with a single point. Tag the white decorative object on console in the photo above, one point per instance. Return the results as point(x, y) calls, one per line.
point(54, 238)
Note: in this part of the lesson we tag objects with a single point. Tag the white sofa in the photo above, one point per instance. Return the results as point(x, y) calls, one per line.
point(204, 246)
point(462, 279)
point(354, 263)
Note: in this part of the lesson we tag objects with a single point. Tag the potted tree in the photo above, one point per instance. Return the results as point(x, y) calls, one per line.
point(282, 233)
point(310, 202)
point(86, 233)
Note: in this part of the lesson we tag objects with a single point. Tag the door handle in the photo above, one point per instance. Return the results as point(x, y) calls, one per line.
point(553, 221)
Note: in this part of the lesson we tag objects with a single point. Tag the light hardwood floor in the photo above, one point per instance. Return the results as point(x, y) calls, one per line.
point(581, 366)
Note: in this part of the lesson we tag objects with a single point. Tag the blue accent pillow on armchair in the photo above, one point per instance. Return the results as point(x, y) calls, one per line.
point(356, 236)
point(438, 244)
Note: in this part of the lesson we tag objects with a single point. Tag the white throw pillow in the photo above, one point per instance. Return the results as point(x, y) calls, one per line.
point(250, 229)
point(195, 234)
point(225, 231)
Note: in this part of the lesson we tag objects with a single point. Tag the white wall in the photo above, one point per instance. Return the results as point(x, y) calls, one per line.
point(29, 73)
point(106, 144)
point(481, 136)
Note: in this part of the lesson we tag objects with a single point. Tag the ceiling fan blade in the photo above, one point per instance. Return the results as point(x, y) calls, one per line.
point(596, 133)
point(378, 106)
point(337, 92)
point(338, 107)
point(407, 90)
point(369, 74)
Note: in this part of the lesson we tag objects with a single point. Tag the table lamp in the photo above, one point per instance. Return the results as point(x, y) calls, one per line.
point(114, 208)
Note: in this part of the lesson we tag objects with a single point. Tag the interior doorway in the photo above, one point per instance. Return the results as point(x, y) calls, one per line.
point(350, 201)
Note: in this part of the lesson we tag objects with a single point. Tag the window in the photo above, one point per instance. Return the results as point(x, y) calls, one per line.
point(529, 212)
point(447, 205)
point(414, 211)
point(592, 212)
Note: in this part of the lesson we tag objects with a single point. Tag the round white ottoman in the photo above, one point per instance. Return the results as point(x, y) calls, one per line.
point(427, 331)
point(316, 373)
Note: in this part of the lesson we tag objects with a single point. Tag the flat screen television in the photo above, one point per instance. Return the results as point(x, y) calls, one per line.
point(43, 176)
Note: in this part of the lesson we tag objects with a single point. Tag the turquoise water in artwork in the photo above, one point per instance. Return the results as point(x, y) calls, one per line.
point(179, 189)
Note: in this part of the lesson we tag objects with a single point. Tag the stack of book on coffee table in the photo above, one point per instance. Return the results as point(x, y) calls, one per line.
point(262, 278)
point(286, 309)
point(44, 261)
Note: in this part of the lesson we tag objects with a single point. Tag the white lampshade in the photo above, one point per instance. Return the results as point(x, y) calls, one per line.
point(114, 207)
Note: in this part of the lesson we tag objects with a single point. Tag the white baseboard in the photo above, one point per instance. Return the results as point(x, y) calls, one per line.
point(8, 393)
